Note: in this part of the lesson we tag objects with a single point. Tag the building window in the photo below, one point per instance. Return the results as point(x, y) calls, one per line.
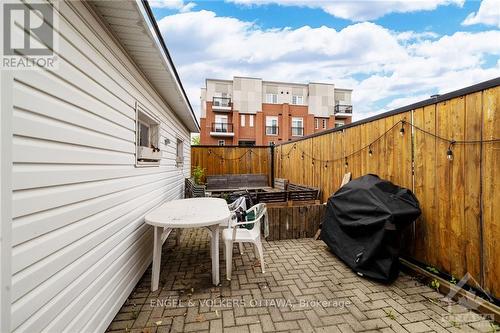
point(339, 123)
point(222, 142)
point(272, 98)
point(316, 123)
point(251, 120)
point(297, 126)
point(147, 137)
point(179, 159)
point(325, 123)
point(271, 125)
point(297, 100)
point(242, 120)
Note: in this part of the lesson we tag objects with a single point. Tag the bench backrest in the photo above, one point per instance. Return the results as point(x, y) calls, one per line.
point(235, 181)
point(280, 184)
point(301, 193)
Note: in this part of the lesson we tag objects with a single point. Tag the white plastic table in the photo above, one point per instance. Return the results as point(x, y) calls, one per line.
point(187, 213)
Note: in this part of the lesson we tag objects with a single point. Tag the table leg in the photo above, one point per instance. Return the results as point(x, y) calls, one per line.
point(214, 252)
point(157, 245)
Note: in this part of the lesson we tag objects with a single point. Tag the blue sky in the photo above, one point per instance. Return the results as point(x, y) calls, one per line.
point(390, 53)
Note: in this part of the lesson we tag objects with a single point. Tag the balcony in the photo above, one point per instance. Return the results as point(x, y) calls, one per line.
point(343, 110)
point(222, 129)
point(272, 130)
point(297, 131)
point(221, 104)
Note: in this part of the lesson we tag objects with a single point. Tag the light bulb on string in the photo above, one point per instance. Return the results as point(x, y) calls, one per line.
point(370, 152)
point(346, 163)
point(402, 130)
point(449, 152)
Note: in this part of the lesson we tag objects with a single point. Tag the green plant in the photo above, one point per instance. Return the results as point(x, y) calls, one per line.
point(494, 327)
point(390, 314)
point(198, 173)
point(453, 280)
point(195, 140)
point(435, 284)
point(432, 270)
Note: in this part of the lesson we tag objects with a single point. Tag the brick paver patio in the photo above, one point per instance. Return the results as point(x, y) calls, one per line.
point(305, 289)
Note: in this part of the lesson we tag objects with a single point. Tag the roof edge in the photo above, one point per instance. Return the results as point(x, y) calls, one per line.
point(149, 17)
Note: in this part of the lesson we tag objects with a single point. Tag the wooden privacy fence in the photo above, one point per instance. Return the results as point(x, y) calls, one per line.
point(459, 198)
point(221, 160)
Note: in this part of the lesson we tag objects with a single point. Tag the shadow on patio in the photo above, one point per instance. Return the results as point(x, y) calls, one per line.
point(305, 289)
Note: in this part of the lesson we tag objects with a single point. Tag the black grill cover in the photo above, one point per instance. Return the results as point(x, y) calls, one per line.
point(363, 224)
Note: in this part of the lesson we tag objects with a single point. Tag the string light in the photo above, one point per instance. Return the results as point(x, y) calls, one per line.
point(449, 152)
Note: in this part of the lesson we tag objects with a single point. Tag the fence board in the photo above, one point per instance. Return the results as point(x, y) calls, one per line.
point(491, 190)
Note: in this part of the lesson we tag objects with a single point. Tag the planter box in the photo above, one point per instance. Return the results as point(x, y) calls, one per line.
point(145, 153)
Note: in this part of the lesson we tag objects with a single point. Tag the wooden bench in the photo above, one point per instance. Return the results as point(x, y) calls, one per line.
point(301, 192)
point(232, 182)
point(269, 197)
point(280, 184)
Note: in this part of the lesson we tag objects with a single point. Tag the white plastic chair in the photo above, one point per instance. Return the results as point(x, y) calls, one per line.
point(234, 234)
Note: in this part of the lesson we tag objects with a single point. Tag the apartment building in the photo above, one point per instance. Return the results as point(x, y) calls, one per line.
point(249, 111)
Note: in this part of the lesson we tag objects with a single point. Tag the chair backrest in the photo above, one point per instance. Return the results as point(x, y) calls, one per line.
point(240, 202)
point(259, 211)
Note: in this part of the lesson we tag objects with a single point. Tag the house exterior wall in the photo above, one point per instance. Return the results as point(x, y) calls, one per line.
point(248, 96)
point(78, 239)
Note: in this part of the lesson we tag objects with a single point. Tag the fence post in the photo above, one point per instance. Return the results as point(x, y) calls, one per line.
point(271, 147)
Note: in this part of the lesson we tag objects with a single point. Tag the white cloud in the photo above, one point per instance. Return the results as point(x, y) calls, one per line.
point(359, 10)
point(488, 13)
point(179, 5)
point(382, 66)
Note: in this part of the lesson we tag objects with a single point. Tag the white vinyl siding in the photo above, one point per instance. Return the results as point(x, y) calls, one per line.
point(79, 242)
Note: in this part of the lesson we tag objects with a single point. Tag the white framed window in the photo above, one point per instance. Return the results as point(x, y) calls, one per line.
point(325, 123)
point(242, 120)
point(250, 120)
point(316, 123)
point(221, 142)
point(147, 142)
point(272, 98)
point(179, 157)
point(271, 125)
point(339, 123)
point(297, 126)
point(220, 124)
point(297, 100)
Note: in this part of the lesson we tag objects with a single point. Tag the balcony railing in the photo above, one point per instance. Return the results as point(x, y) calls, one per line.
point(221, 103)
point(222, 127)
point(342, 108)
point(297, 131)
point(272, 130)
